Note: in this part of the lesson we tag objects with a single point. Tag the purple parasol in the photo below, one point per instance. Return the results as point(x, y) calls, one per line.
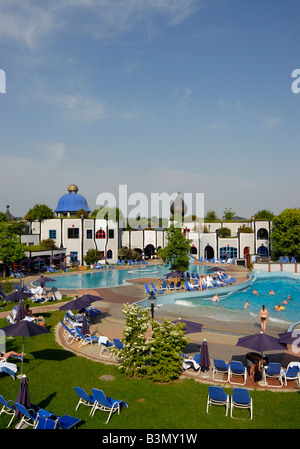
point(85, 329)
point(43, 279)
point(21, 312)
point(289, 338)
point(23, 395)
point(82, 302)
point(174, 274)
point(24, 329)
point(190, 327)
point(260, 342)
point(18, 296)
point(204, 356)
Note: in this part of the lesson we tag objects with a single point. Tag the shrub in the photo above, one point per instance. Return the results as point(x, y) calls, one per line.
point(158, 358)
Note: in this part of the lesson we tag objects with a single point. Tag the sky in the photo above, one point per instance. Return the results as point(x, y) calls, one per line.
point(162, 96)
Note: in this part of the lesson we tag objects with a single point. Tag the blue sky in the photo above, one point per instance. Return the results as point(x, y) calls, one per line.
point(160, 95)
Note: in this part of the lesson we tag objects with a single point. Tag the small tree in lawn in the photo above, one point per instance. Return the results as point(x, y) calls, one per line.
point(165, 346)
point(157, 358)
point(176, 251)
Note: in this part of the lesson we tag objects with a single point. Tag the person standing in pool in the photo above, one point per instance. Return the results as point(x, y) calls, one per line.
point(263, 316)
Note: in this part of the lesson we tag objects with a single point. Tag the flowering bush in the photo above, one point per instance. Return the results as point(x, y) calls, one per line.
point(157, 358)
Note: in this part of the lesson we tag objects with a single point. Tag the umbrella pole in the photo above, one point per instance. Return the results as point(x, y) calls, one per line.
point(22, 356)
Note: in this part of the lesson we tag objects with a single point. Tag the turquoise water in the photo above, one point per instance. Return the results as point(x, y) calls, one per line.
point(112, 277)
point(230, 307)
point(235, 301)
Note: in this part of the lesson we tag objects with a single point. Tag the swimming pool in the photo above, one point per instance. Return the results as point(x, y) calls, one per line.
point(113, 277)
point(232, 300)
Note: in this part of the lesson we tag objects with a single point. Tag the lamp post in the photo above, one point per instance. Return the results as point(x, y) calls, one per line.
point(152, 299)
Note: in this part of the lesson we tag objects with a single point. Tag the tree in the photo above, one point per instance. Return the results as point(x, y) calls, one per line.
point(82, 213)
point(166, 344)
point(228, 214)
point(285, 234)
point(135, 348)
point(11, 250)
point(224, 232)
point(211, 215)
point(264, 214)
point(126, 253)
point(176, 251)
point(39, 212)
point(48, 244)
point(157, 358)
point(91, 257)
point(108, 213)
point(3, 217)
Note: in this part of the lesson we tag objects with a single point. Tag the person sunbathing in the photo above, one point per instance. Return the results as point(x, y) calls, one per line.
point(5, 355)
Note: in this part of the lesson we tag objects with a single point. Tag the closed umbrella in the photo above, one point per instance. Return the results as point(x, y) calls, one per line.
point(85, 329)
point(21, 312)
point(204, 357)
point(24, 329)
point(82, 302)
point(23, 395)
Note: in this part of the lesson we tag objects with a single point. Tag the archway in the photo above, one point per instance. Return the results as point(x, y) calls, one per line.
point(262, 234)
point(209, 252)
point(149, 251)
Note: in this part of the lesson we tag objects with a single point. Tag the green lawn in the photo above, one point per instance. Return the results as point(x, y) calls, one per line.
point(53, 372)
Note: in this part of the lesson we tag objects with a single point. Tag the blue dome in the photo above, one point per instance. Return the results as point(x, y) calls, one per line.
point(72, 202)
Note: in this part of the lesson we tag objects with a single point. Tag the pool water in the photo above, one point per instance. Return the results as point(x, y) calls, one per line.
point(112, 277)
point(231, 307)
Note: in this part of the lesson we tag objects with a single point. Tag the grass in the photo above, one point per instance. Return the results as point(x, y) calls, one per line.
point(53, 372)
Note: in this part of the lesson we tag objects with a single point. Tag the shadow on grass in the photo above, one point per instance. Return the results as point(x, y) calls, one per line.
point(57, 355)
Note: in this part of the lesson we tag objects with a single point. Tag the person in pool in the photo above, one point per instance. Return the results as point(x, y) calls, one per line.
point(246, 304)
point(255, 292)
point(263, 316)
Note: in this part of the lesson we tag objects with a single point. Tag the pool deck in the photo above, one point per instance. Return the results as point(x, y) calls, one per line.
point(221, 336)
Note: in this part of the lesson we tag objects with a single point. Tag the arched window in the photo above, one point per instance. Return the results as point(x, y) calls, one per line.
point(209, 252)
point(100, 234)
point(263, 251)
point(193, 250)
point(109, 254)
point(246, 251)
point(228, 252)
point(262, 234)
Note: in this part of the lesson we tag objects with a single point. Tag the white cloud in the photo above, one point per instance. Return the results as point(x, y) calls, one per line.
point(263, 119)
point(29, 22)
point(182, 96)
point(77, 107)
